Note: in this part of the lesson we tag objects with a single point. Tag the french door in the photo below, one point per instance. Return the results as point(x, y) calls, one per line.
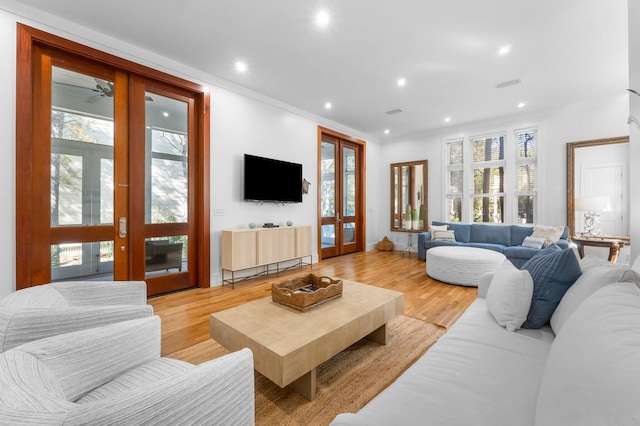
point(341, 198)
point(117, 188)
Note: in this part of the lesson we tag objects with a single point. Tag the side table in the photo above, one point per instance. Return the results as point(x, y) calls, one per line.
point(613, 244)
point(410, 245)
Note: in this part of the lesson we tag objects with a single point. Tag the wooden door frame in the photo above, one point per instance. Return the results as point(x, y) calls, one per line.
point(26, 241)
point(361, 201)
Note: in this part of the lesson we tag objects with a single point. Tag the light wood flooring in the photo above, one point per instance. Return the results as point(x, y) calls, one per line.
point(185, 315)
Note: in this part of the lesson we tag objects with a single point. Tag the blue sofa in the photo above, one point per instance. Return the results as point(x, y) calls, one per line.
point(506, 239)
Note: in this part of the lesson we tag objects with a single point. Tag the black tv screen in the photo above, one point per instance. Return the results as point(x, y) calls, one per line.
point(266, 179)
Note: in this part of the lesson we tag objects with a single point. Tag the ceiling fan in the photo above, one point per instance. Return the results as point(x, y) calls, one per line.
point(105, 89)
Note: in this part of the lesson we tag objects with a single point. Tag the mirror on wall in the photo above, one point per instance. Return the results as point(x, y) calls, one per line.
point(409, 196)
point(598, 187)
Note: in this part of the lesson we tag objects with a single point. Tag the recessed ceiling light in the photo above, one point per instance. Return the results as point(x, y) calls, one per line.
point(241, 67)
point(328, 105)
point(165, 114)
point(504, 50)
point(447, 119)
point(522, 104)
point(323, 18)
point(386, 131)
point(402, 82)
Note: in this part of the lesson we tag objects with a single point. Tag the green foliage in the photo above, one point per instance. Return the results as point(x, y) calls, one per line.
point(55, 256)
point(162, 214)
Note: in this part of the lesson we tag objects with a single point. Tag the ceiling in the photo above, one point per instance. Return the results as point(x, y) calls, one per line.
point(561, 52)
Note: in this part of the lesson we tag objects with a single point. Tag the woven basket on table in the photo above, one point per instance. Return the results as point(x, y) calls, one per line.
point(287, 292)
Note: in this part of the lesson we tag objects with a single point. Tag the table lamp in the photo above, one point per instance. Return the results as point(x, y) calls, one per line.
point(591, 205)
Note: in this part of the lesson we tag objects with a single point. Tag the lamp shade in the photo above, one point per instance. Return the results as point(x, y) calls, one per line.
point(600, 203)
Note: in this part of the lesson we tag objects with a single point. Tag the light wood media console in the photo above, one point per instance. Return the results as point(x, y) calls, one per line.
point(251, 248)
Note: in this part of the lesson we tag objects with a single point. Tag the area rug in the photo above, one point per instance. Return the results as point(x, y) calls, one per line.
point(345, 383)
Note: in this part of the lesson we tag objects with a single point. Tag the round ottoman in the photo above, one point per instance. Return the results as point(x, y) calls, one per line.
point(461, 265)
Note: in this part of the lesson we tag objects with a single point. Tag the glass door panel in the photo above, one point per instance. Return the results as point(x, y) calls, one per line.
point(166, 184)
point(328, 236)
point(349, 200)
point(82, 261)
point(328, 199)
point(165, 255)
point(81, 173)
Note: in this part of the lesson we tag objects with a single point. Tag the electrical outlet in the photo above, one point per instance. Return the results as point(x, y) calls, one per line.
point(218, 212)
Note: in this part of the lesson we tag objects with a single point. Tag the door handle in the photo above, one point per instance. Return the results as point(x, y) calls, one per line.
point(338, 217)
point(122, 227)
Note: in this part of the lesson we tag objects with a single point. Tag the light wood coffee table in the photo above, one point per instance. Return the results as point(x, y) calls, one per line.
point(288, 345)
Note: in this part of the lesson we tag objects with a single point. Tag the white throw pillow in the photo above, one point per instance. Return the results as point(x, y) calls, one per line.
point(592, 279)
point(592, 370)
point(434, 228)
point(589, 262)
point(550, 233)
point(509, 296)
point(445, 236)
point(532, 242)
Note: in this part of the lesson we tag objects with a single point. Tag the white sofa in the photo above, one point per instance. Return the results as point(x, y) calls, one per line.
point(583, 369)
point(47, 310)
point(114, 375)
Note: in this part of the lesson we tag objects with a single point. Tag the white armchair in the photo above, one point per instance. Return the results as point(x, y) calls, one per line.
point(114, 375)
point(50, 309)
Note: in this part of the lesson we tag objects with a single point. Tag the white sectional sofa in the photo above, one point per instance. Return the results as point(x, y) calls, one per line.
point(582, 369)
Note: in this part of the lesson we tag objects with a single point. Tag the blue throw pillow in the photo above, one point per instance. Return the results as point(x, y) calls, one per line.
point(553, 270)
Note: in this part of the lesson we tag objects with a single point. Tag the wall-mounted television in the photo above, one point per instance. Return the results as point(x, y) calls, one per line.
point(266, 179)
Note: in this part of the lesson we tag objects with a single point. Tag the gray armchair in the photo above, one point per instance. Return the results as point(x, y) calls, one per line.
point(114, 375)
point(50, 309)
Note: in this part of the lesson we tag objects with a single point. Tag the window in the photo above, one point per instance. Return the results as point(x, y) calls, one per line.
point(455, 181)
point(488, 165)
point(526, 184)
point(492, 178)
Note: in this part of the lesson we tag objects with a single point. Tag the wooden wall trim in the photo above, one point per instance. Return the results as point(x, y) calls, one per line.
point(24, 118)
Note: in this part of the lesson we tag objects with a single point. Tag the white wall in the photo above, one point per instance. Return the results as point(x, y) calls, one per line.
point(7, 159)
point(241, 122)
point(591, 119)
point(594, 119)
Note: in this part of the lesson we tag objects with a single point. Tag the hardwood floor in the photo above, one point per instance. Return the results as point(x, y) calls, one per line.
point(185, 315)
